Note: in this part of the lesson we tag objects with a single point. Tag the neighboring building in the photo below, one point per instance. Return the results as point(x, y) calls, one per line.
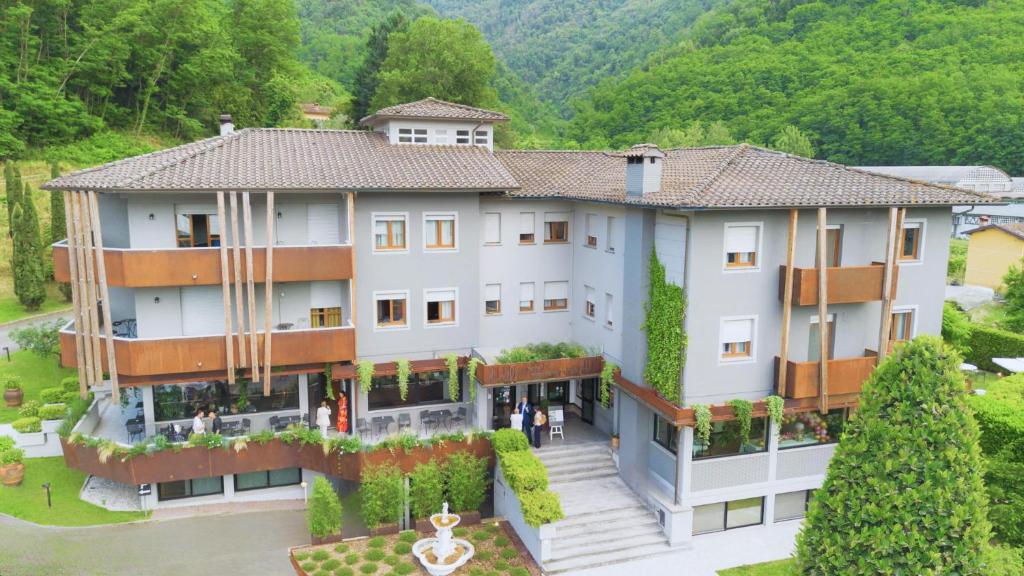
point(987, 179)
point(316, 113)
point(464, 250)
point(991, 250)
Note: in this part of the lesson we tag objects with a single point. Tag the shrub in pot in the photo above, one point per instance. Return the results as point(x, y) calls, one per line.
point(12, 471)
point(466, 477)
point(52, 411)
point(13, 394)
point(383, 496)
point(324, 514)
point(29, 408)
point(51, 395)
point(70, 384)
point(27, 425)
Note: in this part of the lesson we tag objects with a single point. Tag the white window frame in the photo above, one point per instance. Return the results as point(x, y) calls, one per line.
point(753, 340)
point(481, 137)
point(923, 224)
point(589, 230)
point(589, 291)
point(485, 242)
point(426, 233)
point(913, 309)
point(457, 311)
point(758, 254)
point(609, 305)
point(373, 231)
point(420, 136)
point(405, 135)
point(609, 243)
point(441, 136)
point(501, 305)
point(533, 303)
point(468, 137)
point(568, 297)
point(379, 295)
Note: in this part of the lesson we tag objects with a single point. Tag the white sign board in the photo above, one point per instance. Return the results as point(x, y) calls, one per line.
point(555, 415)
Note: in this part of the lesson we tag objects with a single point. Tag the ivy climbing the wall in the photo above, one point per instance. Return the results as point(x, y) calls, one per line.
point(666, 342)
point(364, 371)
point(403, 371)
point(607, 378)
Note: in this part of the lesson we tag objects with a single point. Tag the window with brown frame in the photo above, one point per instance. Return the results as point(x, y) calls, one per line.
point(441, 312)
point(555, 232)
point(556, 304)
point(910, 248)
point(736, 349)
point(391, 311)
point(389, 233)
point(492, 299)
point(197, 230)
point(833, 247)
point(440, 231)
point(526, 297)
point(902, 325)
point(736, 339)
point(589, 306)
point(526, 228)
point(742, 259)
point(591, 224)
point(741, 245)
point(325, 317)
point(556, 296)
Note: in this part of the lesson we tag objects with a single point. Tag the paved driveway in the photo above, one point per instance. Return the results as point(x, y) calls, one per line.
point(5, 329)
point(250, 543)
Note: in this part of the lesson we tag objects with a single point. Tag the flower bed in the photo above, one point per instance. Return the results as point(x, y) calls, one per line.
point(498, 552)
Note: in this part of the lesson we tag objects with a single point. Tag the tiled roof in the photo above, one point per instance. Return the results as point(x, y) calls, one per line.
point(433, 109)
point(740, 176)
point(1015, 229)
point(292, 159)
point(937, 174)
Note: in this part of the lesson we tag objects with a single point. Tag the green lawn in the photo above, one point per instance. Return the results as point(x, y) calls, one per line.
point(777, 568)
point(35, 374)
point(28, 501)
point(11, 309)
point(990, 314)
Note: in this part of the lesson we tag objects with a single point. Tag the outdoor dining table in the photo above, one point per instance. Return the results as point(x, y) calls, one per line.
point(445, 416)
point(382, 423)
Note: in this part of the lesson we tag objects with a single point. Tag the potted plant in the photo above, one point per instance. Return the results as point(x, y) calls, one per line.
point(13, 393)
point(615, 441)
point(12, 471)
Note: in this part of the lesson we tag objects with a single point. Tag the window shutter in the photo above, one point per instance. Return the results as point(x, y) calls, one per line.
point(556, 290)
point(526, 291)
point(556, 216)
point(440, 295)
point(202, 311)
point(322, 222)
point(590, 295)
point(325, 294)
point(492, 292)
point(526, 223)
point(737, 331)
point(741, 239)
point(492, 227)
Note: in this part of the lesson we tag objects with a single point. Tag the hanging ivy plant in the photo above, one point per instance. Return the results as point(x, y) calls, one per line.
point(702, 414)
point(775, 405)
point(329, 380)
point(452, 362)
point(404, 369)
point(471, 373)
point(666, 342)
point(607, 379)
point(743, 410)
point(364, 372)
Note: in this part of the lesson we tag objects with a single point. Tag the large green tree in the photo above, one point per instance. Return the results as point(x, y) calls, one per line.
point(367, 79)
point(446, 59)
point(27, 253)
point(904, 491)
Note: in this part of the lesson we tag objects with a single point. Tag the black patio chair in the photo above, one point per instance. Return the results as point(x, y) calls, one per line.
point(460, 416)
point(427, 419)
point(362, 427)
point(404, 421)
point(274, 423)
point(247, 425)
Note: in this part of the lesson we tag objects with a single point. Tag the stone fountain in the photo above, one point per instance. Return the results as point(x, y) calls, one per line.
point(443, 554)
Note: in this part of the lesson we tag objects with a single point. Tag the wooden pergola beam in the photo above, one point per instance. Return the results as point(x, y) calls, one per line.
point(71, 226)
point(92, 299)
point(236, 240)
point(225, 282)
point(268, 307)
point(787, 302)
point(250, 286)
point(823, 328)
point(892, 248)
point(101, 273)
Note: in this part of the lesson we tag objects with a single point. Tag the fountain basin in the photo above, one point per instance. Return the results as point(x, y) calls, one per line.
point(424, 552)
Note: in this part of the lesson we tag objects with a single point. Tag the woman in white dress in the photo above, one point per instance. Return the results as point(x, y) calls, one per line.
point(323, 418)
point(516, 420)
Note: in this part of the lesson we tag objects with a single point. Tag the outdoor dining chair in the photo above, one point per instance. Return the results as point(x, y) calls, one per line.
point(459, 419)
point(247, 425)
point(404, 421)
point(427, 419)
point(274, 423)
point(362, 427)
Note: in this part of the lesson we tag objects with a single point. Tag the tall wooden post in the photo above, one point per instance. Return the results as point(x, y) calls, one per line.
point(225, 283)
point(351, 207)
point(787, 302)
point(823, 329)
point(250, 270)
point(885, 321)
point(93, 298)
point(70, 221)
point(82, 323)
point(101, 274)
point(236, 238)
point(268, 287)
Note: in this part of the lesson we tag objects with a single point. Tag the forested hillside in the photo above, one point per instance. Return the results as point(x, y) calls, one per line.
point(871, 82)
point(563, 47)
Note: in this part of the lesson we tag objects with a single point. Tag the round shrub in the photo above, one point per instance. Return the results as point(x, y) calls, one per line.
point(377, 542)
point(509, 440)
point(51, 395)
point(501, 541)
point(12, 383)
point(341, 548)
point(69, 384)
point(27, 425)
point(483, 555)
point(481, 536)
point(53, 411)
point(330, 564)
point(321, 555)
point(403, 548)
point(407, 536)
point(374, 555)
point(308, 566)
point(509, 553)
point(352, 559)
point(368, 568)
point(343, 571)
point(404, 568)
point(493, 528)
point(500, 565)
point(300, 556)
point(391, 560)
point(69, 397)
point(29, 408)
point(519, 571)
point(476, 571)
point(321, 572)
point(460, 531)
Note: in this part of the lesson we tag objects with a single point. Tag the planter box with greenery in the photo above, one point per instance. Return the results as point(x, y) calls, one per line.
point(527, 477)
point(324, 513)
point(13, 394)
point(383, 491)
point(12, 470)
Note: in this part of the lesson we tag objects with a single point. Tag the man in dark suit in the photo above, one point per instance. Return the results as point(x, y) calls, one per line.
point(526, 409)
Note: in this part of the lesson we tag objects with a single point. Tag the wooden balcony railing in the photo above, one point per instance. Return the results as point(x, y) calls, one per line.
point(846, 284)
point(146, 357)
point(845, 376)
point(540, 371)
point(201, 266)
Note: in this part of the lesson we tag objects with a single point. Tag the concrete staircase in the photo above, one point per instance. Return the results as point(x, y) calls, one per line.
point(605, 523)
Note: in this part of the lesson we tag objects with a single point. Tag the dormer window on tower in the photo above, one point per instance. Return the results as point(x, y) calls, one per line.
point(435, 122)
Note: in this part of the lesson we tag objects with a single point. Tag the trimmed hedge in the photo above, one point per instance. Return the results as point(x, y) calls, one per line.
point(53, 411)
point(27, 425)
point(324, 514)
point(426, 490)
point(51, 395)
point(29, 408)
point(509, 440)
point(540, 507)
point(383, 495)
point(1000, 415)
point(466, 478)
point(524, 471)
point(70, 384)
point(987, 343)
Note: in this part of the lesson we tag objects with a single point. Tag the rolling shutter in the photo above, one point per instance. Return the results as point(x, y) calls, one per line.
point(741, 239)
point(492, 228)
point(322, 223)
point(325, 294)
point(556, 290)
point(737, 331)
point(202, 310)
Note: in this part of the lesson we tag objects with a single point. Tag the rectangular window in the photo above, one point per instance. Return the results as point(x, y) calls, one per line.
point(665, 434)
point(424, 388)
point(462, 136)
point(609, 235)
point(728, 515)
point(391, 309)
point(440, 136)
point(480, 137)
point(591, 224)
point(608, 302)
point(910, 242)
point(556, 227)
point(741, 245)
point(180, 401)
point(726, 441)
point(492, 299)
point(792, 505)
point(736, 340)
point(492, 228)
point(419, 135)
point(439, 231)
point(389, 232)
point(324, 317)
point(833, 246)
point(814, 342)
point(811, 428)
point(902, 325)
point(267, 479)
point(440, 306)
point(189, 488)
point(526, 297)
point(526, 228)
point(590, 304)
point(405, 135)
point(556, 296)
point(197, 230)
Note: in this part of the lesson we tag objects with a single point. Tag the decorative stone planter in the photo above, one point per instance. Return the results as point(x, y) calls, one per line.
point(468, 519)
point(329, 539)
point(384, 530)
point(13, 397)
point(12, 474)
point(51, 426)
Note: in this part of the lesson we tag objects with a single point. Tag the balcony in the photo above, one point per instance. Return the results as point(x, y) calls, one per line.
point(143, 358)
point(846, 284)
point(131, 268)
point(845, 376)
point(540, 371)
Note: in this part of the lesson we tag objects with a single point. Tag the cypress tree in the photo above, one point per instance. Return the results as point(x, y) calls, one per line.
point(28, 268)
point(12, 181)
point(366, 79)
point(904, 491)
point(58, 225)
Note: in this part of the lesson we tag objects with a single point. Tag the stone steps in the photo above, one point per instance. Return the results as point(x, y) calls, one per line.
point(584, 562)
point(599, 536)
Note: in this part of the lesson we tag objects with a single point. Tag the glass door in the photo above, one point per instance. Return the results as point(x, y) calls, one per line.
point(503, 403)
point(588, 389)
point(558, 393)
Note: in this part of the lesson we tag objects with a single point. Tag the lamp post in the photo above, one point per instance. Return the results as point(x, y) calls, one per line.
point(305, 496)
point(49, 503)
